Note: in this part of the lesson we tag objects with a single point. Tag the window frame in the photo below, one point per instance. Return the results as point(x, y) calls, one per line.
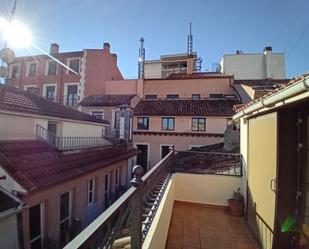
point(168, 121)
point(90, 192)
point(138, 123)
point(11, 71)
point(68, 64)
point(44, 92)
point(198, 123)
point(172, 96)
point(29, 63)
point(196, 95)
point(97, 111)
point(151, 96)
point(47, 68)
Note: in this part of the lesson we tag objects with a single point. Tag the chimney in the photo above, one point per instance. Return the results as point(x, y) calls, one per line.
point(267, 50)
point(106, 47)
point(54, 48)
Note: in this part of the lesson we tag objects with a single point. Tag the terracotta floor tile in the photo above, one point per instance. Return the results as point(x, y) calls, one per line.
point(210, 243)
point(246, 245)
point(242, 237)
point(227, 235)
point(193, 241)
point(191, 230)
point(190, 247)
point(173, 246)
point(207, 231)
point(228, 244)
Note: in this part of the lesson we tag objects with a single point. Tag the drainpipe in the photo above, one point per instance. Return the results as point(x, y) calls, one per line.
point(288, 92)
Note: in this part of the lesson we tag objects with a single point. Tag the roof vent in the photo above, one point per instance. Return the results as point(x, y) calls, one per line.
point(268, 49)
point(239, 52)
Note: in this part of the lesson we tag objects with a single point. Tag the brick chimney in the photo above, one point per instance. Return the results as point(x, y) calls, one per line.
point(54, 48)
point(106, 47)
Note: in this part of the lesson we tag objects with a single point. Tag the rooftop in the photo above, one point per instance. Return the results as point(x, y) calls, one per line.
point(203, 75)
point(107, 100)
point(16, 100)
point(7, 200)
point(180, 107)
point(36, 165)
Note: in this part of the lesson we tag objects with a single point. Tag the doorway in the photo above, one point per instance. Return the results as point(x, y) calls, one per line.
point(164, 150)
point(142, 157)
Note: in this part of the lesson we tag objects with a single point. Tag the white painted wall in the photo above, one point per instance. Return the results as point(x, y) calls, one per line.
point(71, 129)
point(153, 70)
point(9, 233)
point(254, 66)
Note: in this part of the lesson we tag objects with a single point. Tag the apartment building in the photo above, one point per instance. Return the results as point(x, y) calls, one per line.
point(57, 161)
point(172, 63)
point(41, 74)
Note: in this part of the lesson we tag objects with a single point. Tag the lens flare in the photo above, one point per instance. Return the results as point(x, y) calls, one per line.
point(15, 33)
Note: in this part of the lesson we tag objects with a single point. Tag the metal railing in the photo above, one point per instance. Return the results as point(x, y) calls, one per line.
point(265, 233)
point(129, 218)
point(68, 143)
point(200, 162)
point(70, 99)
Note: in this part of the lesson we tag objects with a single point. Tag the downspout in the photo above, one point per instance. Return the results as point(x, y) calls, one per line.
point(288, 92)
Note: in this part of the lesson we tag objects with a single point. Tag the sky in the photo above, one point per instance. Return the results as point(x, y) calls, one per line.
point(219, 27)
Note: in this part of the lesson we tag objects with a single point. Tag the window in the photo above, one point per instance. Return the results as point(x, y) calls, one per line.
point(216, 95)
point(196, 96)
point(98, 114)
point(168, 124)
point(35, 228)
point(90, 191)
point(74, 64)
point(71, 99)
point(143, 123)
point(52, 68)
point(198, 124)
point(151, 96)
point(172, 96)
point(15, 72)
point(50, 93)
point(32, 89)
point(65, 217)
point(32, 69)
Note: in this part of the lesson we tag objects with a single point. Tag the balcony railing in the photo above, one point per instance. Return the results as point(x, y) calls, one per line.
point(70, 100)
point(199, 162)
point(128, 220)
point(68, 143)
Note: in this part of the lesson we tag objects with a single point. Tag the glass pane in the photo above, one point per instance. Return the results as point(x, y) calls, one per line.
point(74, 64)
point(164, 123)
point(37, 244)
point(171, 124)
point(35, 221)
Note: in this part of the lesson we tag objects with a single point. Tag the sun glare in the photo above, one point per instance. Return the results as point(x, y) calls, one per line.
point(15, 33)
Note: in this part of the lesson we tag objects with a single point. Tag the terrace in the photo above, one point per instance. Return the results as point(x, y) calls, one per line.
point(180, 203)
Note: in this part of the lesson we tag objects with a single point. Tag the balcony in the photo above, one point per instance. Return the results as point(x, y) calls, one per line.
point(171, 208)
point(70, 100)
point(69, 143)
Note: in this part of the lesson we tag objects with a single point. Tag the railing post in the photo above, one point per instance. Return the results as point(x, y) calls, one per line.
point(136, 208)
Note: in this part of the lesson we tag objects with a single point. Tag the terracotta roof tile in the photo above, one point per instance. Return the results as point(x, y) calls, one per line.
point(13, 99)
point(265, 82)
point(36, 165)
point(107, 100)
point(291, 82)
point(207, 107)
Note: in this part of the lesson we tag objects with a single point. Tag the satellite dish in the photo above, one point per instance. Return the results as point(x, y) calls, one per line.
point(4, 72)
point(7, 55)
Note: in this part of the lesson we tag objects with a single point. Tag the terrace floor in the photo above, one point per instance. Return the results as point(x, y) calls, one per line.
point(195, 226)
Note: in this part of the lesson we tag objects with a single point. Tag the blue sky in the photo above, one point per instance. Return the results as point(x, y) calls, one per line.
point(219, 27)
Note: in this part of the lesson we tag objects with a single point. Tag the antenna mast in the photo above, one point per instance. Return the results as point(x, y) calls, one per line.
point(141, 59)
point(190, 41)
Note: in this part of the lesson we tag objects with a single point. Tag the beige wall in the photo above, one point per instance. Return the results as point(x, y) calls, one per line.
point(194, 188)
point(72, 129)
point(185, 88)
point(180, 142)
point(153, 69)
point(9, 233)
point(261, 168)
point(184, 124)
point(51, 199)
point(121, 87)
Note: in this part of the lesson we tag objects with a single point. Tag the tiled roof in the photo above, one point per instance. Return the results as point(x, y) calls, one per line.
point(13, 99)
point(107, 100)
point(278, 89)
point(36, 165)
point(265, 82)
point(206, 107)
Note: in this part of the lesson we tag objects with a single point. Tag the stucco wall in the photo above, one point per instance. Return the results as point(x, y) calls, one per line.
point(9, 233)
point(51, 199)
point(121, 87)
point(153, 70)
point(72, 129)
point(184, 124)
point(185, 88)
point(180, 142)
